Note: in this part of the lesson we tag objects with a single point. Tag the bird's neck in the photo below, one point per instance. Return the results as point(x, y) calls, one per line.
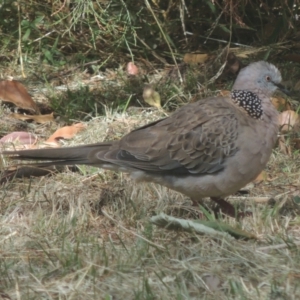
point(248, 101)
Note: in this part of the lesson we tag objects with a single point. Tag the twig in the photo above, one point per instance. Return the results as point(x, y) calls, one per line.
point(19, 42)
point(8, 236)
point(166, 40)
point(221, 41)
point(276, 247)
point(56, 12)
point(38, 39)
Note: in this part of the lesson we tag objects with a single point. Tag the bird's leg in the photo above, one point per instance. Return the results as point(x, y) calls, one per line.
point(226, 207)
point(196, 203)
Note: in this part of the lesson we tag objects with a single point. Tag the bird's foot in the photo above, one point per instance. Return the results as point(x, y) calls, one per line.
point(228, 209)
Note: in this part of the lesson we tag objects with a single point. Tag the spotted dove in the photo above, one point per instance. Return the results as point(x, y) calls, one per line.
point(210, 148)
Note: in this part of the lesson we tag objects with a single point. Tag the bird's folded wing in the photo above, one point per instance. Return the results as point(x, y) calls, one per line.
point(196, 139)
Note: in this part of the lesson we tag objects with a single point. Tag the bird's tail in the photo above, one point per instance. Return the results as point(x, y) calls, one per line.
point(77, 155)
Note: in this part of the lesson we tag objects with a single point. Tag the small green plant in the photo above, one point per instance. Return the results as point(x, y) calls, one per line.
point(75, 104)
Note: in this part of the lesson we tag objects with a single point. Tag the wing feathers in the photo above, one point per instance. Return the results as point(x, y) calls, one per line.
point(194, 140)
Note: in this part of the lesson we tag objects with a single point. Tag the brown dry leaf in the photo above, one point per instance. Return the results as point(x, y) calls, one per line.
point(280, 103)
point(151, 96)
point(37, 118)
point(261, 177)
point(15, 92)
point(289, 120)
point(21, 137)
point(132, 69)
point(193, 59)
point(233, 64)
point(283, 146)
point(224, 93)
point(66, 132)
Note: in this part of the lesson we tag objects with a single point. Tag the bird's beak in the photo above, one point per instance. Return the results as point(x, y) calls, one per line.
point(282, 89)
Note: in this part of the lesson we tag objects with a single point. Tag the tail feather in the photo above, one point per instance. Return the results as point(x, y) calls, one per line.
point(77, 155)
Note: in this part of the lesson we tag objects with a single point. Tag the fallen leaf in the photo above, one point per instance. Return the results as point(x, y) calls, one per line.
point(132, 69)
point(15, 92)
point(151, 97)
point(213, 228)
point(261, 177)
point(284, 147)
point(224, 93)
point(21, 137)
point(289, 120)
point(233, 64)
point(37, 118)
point(280, 103)
point(66, 132)
point(193, 59)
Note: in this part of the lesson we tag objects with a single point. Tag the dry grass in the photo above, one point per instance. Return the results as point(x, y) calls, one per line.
point(87, 235)
point(84, 236)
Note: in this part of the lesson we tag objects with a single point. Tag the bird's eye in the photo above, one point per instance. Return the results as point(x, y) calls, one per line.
point(268, 78)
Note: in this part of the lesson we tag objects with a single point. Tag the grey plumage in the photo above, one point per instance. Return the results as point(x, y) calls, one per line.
point(210, 148)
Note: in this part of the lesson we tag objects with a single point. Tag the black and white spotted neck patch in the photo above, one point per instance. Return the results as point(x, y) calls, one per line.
point(249, 102)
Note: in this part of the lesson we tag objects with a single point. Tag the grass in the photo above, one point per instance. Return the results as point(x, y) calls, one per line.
point(74, 236)
point(88, 235)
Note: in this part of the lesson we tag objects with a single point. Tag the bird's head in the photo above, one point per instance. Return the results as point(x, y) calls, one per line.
point(260, 78)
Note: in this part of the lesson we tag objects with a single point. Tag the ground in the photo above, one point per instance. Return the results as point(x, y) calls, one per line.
point(88, 235)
